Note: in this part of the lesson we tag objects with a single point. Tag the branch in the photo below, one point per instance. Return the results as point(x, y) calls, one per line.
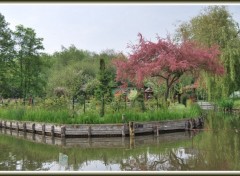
point(159, 76)
point(175, 78)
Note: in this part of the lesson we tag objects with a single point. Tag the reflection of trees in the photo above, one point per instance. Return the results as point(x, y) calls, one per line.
point(176, 162)
point(146, 161)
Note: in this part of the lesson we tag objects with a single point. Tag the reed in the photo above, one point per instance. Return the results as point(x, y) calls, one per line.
point(63, 116)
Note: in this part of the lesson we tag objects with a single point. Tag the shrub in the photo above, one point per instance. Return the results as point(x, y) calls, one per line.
point(226, 104)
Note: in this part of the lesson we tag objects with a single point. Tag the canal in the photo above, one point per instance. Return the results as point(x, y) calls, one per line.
point(216, 147)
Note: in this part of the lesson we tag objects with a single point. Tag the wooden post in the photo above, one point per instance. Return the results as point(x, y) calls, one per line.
point(17, 127)
point(63, 131)
point(157, 130)
point(123, 130)
point(24, 127)
point(131, 129)
point(43, 129)
point(89, 131)
point(33, 127)
point(52, 130)
point(0, 124)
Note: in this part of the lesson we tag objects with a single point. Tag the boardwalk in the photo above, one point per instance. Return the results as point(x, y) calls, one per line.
point(206, 105)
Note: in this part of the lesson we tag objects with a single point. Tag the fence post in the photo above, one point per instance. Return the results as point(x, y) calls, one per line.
point(33, 127)
point(52, 130)
point(63, 131)
point(17, 127)
point(43, 129)
point(131, 129)
point(24, 127)
point(123, 130)
point(89, 131)
point(157, 130)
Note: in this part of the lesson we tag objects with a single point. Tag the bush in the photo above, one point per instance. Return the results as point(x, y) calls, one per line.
point(226, 104)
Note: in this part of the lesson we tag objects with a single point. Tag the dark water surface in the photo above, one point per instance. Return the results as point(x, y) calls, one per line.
point(217, 147)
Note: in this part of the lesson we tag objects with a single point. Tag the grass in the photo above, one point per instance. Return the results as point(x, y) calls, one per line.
point(62, 116)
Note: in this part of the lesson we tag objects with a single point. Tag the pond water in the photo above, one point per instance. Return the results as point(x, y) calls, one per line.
point(216, 147)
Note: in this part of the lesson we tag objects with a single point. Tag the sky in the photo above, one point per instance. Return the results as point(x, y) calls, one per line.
point(102, 26)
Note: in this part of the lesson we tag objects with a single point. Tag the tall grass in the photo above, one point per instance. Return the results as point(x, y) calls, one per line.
point(63, 116)
point(34, 114)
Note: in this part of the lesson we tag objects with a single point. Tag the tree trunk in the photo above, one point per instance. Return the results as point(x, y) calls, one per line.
point(102, 107)
point(73, 105)
point(167, 93)
point(84, 103)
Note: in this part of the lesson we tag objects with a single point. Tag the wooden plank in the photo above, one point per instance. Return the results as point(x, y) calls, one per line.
point(106, 127)
point(76, 133)
point(107, 133)
point(14, 125)
point(8, 124)
point(38, 127)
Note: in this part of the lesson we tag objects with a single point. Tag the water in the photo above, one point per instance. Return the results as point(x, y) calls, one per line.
point(217, 147)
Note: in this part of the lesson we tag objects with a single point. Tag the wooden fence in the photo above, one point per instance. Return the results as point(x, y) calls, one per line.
point(91, 130)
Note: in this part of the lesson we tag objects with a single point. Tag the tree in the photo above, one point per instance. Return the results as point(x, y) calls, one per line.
point(6, 58)
point(213, 26)
point(28, 48)
point(167, 60)
point(103, 91)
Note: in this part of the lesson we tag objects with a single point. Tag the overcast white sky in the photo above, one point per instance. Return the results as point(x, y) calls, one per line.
point(97, 27)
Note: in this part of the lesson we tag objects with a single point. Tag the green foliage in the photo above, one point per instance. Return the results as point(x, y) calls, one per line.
point(215, 25)
point(132, 94)
point(7, 64)
point(226, 104)
point(55, 103)
point(28, 61)
point(103, 90)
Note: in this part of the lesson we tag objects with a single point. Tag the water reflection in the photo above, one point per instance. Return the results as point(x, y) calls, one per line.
point(215, 148)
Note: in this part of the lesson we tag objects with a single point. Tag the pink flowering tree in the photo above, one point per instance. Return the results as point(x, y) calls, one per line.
point(167, 61)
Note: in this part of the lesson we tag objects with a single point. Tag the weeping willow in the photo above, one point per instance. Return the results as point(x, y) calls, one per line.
point(213, 26)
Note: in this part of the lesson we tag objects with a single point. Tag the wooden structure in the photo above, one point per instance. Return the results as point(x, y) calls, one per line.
point(93, 130)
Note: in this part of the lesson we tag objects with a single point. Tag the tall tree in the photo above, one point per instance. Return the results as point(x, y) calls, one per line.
point(6, 57)
point(215, 25)
point(28, 47)
point(167, 60)
point(103, 91)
